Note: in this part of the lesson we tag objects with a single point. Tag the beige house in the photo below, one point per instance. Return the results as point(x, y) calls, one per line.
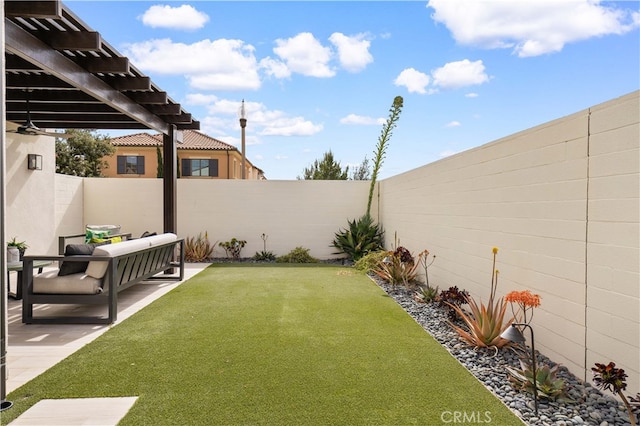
point(199, 156)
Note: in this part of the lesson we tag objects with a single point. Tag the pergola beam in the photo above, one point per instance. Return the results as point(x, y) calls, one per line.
point(28, 47)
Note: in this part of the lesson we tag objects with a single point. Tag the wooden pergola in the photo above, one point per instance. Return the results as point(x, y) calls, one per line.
point(76, 80)
point(70, 78)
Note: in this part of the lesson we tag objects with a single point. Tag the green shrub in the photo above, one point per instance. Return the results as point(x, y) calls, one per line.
point(362, 236)
point(370, 261)
point(233, 247)
point(264, 256)
point(297, 255)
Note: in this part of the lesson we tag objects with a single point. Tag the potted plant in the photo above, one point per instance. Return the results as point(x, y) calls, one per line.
point(15, 250)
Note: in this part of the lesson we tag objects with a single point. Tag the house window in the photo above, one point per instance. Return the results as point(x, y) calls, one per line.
point(130, 164)
point(199, 167)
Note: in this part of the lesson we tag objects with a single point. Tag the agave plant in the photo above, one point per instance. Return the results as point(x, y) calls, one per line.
point(548, 384)
point(361, 237)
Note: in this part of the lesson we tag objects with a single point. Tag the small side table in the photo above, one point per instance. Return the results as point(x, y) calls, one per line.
point(17, 267)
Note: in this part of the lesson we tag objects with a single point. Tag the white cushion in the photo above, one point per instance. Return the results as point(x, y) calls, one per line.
point(156, 240)
point(50, 283)
point(98, 268)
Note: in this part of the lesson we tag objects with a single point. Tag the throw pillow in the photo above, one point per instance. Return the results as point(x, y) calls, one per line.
point(69, 268)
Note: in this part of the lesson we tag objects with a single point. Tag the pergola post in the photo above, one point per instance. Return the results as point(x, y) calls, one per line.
point(170, 179)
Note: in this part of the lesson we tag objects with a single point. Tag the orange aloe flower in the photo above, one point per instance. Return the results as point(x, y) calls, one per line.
point(525, 301)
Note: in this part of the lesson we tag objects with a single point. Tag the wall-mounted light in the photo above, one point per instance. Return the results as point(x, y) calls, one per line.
point(34, 161)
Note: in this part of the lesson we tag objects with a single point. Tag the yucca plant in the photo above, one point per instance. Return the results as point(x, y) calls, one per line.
point(361, 237)
point(198, 249)
point(549, 385)
point(485, 323)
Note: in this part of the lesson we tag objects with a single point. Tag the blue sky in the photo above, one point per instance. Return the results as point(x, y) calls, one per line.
point(319, 76)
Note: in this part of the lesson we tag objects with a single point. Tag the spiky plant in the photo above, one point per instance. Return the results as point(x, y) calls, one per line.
point(485, 323)
point(549, 385)
point(198, 249)
point(362, 236)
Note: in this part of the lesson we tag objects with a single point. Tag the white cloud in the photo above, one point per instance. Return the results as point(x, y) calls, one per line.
point(183, 17)
point(222, 116)
point(353, 52)
point(453, 124)
point(415, 81)
point(291, 126)
point(362, 120)
point(199, 99)
point(530, 27)
point(460, 74)
point(275, 68)
point(213, 65)
point(471, 95)
point(305, 55)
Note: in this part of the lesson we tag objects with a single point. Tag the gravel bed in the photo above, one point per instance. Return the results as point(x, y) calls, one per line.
point(591, 407)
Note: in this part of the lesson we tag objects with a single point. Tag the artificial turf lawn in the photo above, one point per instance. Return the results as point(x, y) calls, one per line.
point(271, 345)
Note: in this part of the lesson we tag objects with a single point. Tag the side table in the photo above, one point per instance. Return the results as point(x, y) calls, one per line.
point(17, 267)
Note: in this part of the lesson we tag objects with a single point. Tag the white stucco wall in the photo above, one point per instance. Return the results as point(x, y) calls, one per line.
point(291, 213)
point(30, 193)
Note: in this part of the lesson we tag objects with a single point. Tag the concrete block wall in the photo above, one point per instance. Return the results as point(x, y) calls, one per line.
point(613, 238)
point(560, 201)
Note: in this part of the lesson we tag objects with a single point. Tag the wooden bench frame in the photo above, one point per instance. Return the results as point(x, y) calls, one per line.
point(123, 271)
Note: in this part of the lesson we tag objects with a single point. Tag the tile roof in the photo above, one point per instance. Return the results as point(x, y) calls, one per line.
point(138, 139)
point(192, 139)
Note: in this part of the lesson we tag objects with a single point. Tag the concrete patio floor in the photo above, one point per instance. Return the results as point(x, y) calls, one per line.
point(34, 348)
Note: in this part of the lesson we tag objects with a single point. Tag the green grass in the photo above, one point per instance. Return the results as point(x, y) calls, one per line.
point(271, 345)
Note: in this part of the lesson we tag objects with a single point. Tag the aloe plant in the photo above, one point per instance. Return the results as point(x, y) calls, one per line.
point(198, 249)
point(485, 323)
point(398, 267)
point(548, 384)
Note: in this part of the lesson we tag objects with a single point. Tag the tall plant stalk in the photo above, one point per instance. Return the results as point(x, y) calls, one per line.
point(383, 141)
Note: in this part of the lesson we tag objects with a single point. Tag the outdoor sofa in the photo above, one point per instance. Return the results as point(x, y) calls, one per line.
point(93, 275)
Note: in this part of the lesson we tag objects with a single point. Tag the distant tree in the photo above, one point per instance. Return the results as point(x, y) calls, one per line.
point(325, 169)
point(363, 171)
point(160, 162)
point(82, 154)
